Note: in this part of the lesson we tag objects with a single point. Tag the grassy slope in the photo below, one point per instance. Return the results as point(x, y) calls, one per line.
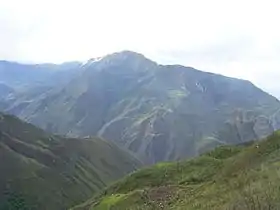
point(42, 171)
point(230, 177)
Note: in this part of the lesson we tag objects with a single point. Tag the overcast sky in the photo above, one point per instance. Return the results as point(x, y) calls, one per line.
point(239, 38)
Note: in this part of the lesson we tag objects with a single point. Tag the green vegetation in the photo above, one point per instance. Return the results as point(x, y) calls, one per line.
point(229, 177)
point(41, 171)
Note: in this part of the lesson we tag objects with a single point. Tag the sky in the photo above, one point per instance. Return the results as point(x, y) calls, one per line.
point(239, 38)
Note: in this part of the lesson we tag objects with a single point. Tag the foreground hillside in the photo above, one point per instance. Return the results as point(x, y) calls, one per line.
point(160, 112)
point(230, 177)
point(42, 171)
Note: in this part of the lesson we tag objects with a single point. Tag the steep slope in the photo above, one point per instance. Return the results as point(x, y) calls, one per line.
point(228, 178)
point(5, 91)
point(158, 112)
point(42, 171)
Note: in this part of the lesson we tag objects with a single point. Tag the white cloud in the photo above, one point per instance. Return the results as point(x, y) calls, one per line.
point(237, 38)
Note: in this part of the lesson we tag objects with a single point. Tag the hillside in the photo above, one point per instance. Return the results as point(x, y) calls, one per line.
point(159, 112)
point(43, 171)
point(227, 178)
point(5, 91)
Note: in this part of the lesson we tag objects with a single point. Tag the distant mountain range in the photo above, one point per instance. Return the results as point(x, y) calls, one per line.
point(27, 75)
point(159, 112)
point(43, 171)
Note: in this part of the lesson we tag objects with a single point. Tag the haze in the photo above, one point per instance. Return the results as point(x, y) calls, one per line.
point(234, 38)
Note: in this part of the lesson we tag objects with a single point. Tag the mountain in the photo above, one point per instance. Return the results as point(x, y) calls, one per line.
point(230, 177)
point(5, 91)
point(43, 171)
point(160, 112)
point(18, 75)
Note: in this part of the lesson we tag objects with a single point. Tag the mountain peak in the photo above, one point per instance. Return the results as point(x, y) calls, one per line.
point(125, 55)
point(121, 56)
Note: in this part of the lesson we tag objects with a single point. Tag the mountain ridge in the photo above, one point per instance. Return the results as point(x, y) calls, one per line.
point(159, 112)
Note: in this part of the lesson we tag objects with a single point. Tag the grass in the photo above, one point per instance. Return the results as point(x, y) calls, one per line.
point(229, 177)
point(109, 201)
